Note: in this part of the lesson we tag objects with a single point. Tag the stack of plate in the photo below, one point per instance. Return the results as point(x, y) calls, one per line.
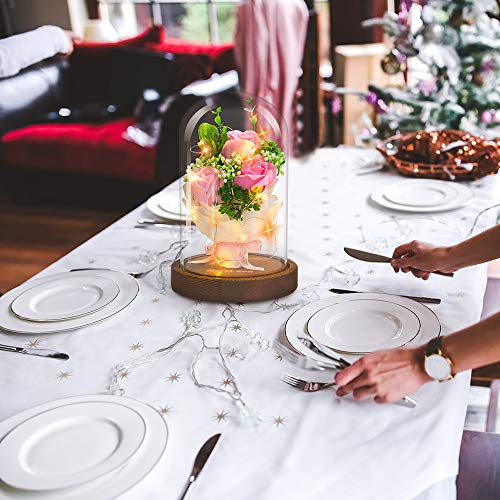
point(66, 301)
point(167, 205)
point(359, 323)
point(79, 448)
point(422, 195)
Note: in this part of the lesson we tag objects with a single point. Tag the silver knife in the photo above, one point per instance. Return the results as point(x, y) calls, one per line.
point(374, 257)
point(44, 353)
point(427, 300)
point(200, 461)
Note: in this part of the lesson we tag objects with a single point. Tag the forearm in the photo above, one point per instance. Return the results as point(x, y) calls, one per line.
point(483, 247)
point(475, 346)
point(20, 51)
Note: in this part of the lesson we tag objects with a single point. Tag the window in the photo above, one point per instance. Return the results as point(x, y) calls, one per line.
point(193, 20)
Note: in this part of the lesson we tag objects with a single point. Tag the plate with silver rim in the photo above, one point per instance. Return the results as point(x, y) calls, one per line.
point(52, 450)
point(65, 298)
point(154, 205)
point(360, 326)
point(422, 195)
point(114, 483)
point(296, 325)
point(129, 288)
point(421, 192)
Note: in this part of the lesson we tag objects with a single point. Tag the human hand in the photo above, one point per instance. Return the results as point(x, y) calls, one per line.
point(421, 259)
point(386, 375)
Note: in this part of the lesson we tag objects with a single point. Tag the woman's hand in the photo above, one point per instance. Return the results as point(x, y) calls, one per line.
point(385, 375)
point(421, 259)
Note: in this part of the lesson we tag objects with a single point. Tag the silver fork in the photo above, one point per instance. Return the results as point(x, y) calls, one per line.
point(135, 275)
point(303, 361)
point(310, 386)
point(305, 385)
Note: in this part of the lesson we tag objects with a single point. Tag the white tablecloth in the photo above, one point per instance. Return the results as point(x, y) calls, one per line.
point(307, 446)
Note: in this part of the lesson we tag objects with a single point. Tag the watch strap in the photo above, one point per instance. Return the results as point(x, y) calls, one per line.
point(434, 346)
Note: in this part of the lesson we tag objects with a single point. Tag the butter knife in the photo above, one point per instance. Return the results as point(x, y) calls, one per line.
point(373, 257)
point(43, 353)
point(200, 461)
point(427, 300)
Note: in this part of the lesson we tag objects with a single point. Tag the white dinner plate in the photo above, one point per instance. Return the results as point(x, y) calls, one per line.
point(171, 203)
point(360, 326)
point(153, 205)
point(65, 298)
point(11, 323)
point(423, 195)
point(114, 484)
point(70, 445)
point(296, 325)
point(421, 192)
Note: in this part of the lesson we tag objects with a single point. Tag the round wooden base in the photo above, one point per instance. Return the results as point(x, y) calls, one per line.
point(234, 289)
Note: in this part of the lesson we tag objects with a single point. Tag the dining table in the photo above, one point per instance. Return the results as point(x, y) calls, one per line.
point(285, 444)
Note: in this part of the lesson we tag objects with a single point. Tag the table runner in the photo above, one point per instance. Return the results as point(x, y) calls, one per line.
point(306, 446)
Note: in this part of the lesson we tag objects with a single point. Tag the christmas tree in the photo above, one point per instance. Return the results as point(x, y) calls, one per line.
point(455, 46)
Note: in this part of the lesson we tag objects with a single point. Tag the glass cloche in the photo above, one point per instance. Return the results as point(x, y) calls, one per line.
point(233, 188)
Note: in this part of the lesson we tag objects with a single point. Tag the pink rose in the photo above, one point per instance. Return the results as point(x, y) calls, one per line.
point(249, 135)
point(204, 186)
point(245, 148)
point(256, 173)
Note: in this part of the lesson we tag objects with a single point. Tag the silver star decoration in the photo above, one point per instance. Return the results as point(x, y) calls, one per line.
point(155, 300)
point(123, 374)
point(277, 421)
point(146, 322)
point(278, 357)
point(174, 377)
point(328, 254)
point(33, 343)
point(63, 375)
point(136, 347)
point(165, 410)
point(233, 353)
point(91, 261)
point(226, 382)
point(370, 271)
point(221, 415)
point(325, 215)
point(236, 327)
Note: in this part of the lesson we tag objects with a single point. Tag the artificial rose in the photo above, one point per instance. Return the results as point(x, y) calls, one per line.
point(256, 173)
point(245, 148)
point(204, 186)
point(249, 135)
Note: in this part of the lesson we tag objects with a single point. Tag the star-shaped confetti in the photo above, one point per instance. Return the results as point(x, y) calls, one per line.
point(155, 300)
point(136, 347)
point(226, 382)
point(370, 271)
point(233, 353)
point(236, 327)
point(277, 421)
point(91, 261)
point(123, 374)
point(174, 377)
point(146, 322)
point(328, 254)
point(63, 375)
point(33, 343)
point(165, 410)
point(278, 357)
point(221, 415)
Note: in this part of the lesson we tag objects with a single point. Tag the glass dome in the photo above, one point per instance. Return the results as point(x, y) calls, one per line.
point(234, 188)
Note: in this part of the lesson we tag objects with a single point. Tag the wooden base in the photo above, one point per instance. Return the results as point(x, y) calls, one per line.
point(234, 289)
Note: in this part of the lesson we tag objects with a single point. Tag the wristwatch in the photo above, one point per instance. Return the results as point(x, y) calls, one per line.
point(436, 364)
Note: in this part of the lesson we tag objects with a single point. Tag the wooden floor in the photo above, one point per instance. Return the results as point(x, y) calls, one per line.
point(32, 237)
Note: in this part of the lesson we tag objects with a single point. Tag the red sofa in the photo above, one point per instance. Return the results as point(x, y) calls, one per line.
point(63, 160)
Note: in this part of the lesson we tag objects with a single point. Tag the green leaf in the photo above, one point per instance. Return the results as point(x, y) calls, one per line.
point(209, 134)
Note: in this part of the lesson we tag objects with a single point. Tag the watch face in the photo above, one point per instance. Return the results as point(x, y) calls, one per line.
point(437, 367)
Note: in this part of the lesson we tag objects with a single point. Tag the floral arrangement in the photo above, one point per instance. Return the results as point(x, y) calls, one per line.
point(230, 189)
